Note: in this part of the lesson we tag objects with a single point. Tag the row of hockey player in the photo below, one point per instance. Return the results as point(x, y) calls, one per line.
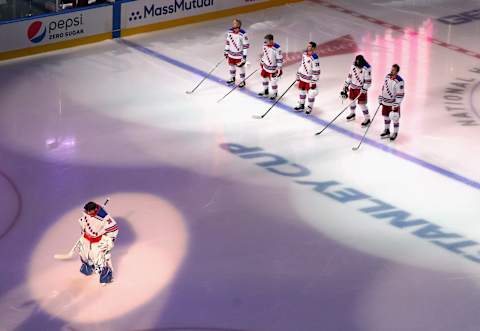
point(356, 86)
point(271, 61)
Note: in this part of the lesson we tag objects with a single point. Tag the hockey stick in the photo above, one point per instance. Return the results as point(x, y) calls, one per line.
point(265, 114)
point(355, 148)
point(204, 78)
point(70, 254)
point(235, 87)
point(351, 103)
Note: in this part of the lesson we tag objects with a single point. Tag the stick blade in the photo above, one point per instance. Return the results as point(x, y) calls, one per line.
point(257, 117)
point(63, 256)
point(189, 92)
point(355, 148)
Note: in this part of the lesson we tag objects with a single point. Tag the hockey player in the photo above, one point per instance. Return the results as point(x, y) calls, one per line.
point(271, 63)
point(236, 47)
point(390, 99)
point(307, 76)
point(358, 81)
point(99, 231)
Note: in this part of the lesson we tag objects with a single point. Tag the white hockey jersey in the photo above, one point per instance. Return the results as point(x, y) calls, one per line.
point(393, 91)
point(272, 58)
point(359, 78)
point(237, 44)
point(309, 69)
point(93, 228)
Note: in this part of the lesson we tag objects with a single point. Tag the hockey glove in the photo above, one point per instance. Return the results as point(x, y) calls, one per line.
point(344, 93)
point(380, 99)
point(278, 73)
point(242, 63)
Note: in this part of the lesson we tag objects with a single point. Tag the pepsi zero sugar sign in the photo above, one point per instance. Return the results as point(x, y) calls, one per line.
point(143, 12)
point(55, 28)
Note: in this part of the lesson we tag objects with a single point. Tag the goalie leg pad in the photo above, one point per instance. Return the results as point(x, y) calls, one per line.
point(84, 249)
point(98, 257)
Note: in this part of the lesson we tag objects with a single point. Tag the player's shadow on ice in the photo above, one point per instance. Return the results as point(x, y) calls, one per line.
point(125, 238)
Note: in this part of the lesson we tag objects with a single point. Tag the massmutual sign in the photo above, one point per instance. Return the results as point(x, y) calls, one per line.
point(145, 12)
point(154, 9)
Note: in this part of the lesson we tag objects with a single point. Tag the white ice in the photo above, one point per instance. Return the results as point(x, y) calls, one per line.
point(212, 240)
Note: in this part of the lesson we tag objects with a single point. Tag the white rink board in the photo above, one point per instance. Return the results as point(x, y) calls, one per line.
point(39, 31)
point(144, 12)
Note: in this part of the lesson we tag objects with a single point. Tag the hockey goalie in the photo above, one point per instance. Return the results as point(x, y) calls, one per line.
point(99, 232)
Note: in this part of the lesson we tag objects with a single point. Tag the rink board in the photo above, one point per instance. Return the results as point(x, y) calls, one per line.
point(146, 15)
point(39, 34)
point(51, 32)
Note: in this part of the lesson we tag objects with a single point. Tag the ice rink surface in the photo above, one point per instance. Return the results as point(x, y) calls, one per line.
point(234, 223)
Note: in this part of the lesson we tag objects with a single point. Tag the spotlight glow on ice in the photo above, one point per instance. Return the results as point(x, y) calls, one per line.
point(144, 266)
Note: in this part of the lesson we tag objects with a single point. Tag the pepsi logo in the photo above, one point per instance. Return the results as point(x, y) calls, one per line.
point(36, 32)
